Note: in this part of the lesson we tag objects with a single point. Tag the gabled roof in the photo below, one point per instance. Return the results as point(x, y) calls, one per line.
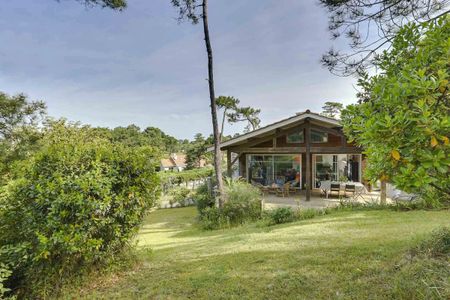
point(174, 160)
point(331, 122)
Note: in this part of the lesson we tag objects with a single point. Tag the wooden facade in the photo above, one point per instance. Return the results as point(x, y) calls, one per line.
point(272, 139)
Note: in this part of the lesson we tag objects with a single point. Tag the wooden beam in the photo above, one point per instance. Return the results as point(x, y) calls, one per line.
point(336, 150)
point(229, 170)
point(308, 159)
point(328, 130)
point(314, 150)
point(236, 158)
point(293, 150)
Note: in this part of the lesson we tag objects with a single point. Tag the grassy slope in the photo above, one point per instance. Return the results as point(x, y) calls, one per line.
point(343, 255)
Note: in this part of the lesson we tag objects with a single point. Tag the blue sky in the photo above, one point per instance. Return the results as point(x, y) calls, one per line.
point(140, 66)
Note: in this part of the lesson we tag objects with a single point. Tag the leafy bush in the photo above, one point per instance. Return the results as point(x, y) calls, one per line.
point(4, 275)
point(185, 176)
point(243, 204)
point(402, 119)
point(180, 195)
point(212, 218)
point(280, 215)
point(286, 214)
point(203, 198)
point(77, 202)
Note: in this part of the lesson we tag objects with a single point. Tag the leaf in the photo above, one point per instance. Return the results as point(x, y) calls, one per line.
point(445, 140)
point(433, 141)
point(395, 154)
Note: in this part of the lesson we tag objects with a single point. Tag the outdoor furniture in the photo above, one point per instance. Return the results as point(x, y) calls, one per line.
point(325, 187)
point(350, 189)
point(283, 190)
point(264, 189)
point(335, 187)
point(294, 190)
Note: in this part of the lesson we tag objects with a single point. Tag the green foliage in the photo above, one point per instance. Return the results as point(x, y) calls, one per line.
point(332, 109)
point(280, 215)
point(133, 136)
point(286, 214)
point(403, 119)
point(197, 152)
point(203, 198)
point(233, 113)
point(4, 275)
point(424, 272)
point(243, 204)
point(180, 195)
point(185, 176)
point(113, 4)
point(436, 245)
point(19, 119)
point(75, 203)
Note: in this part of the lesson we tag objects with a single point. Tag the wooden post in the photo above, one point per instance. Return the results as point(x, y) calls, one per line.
point(308, 159)
point(383, 192)
point(229, 169)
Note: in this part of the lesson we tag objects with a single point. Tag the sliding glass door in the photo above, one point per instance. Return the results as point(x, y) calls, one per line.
point(274, 169)
point(336, 167)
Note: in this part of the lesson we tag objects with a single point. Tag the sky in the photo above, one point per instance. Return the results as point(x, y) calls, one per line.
point(140, 66)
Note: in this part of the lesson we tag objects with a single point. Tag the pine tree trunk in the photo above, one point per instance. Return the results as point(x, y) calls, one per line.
point(383, 192)
point(216, 134)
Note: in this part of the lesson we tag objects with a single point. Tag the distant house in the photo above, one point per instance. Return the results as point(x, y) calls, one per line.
point(175, 162)
point(307, 148)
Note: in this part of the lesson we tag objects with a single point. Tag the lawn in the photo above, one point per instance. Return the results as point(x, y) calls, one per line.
point(345, 255)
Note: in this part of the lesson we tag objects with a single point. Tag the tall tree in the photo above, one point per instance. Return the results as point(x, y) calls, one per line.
point(19, 119)
point(196, 152)
point(233, 113)
point(189, 10)
point(370, 26)
point(403, 120)
point(332, 109)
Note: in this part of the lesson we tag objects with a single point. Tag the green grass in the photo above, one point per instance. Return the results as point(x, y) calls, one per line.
point(345, 255)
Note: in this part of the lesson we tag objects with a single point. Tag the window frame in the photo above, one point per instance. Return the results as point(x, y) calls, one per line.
point(320, 132)
point(302, 134)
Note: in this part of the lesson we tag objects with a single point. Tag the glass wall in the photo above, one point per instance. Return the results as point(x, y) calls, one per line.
point(336, 167)
point(274, 169)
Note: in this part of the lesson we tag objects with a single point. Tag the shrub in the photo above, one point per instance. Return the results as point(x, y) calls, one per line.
point(280, 215)
point(180, 195)
point(286, 214)
point(203, 198)
point(243, 204)
point(4, 275)
point(212, 218)
point(77, 202)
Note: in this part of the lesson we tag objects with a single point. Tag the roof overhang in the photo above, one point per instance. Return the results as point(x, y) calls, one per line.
point(269, 129)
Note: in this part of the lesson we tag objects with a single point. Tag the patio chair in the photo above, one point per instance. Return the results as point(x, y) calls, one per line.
point(350, 189)
point(264, 189)
point(324, 187)
point(283, 191)
point(335, 187)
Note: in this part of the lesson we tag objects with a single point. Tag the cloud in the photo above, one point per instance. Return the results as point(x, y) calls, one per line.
point(139, 66)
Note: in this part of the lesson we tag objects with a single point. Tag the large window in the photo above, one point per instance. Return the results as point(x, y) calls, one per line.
point(274, 169)
point(336, 167)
